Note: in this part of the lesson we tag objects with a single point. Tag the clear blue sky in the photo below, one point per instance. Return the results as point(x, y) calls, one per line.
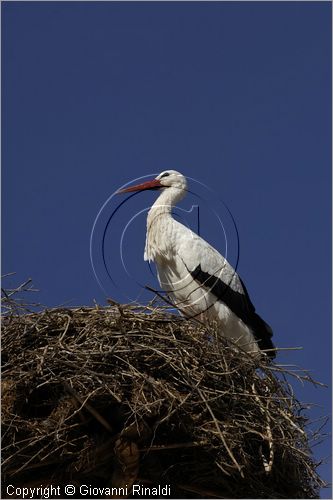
point(234, 95)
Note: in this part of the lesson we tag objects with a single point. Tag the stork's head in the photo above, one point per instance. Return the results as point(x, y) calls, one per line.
point(165, 180)
point(172, 178)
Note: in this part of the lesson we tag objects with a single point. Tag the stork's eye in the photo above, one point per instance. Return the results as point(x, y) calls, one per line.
point(165, 175)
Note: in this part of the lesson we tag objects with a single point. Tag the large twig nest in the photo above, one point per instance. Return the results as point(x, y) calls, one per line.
point(118, 396)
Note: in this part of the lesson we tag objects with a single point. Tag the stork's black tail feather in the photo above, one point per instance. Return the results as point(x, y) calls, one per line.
point(263, 334)
point(240, 304)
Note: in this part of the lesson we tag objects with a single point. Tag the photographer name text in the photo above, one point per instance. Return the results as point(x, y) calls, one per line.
point(86, 490)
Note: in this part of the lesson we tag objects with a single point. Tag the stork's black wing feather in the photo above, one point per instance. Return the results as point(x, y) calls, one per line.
point(240, 304)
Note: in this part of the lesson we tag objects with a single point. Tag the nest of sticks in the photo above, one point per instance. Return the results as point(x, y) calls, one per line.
point(118, 396)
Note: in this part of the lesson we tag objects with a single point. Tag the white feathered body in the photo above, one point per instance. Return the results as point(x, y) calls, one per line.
point(177, 251)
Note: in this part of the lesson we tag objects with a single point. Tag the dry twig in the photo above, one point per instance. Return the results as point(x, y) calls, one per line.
point(199, 414)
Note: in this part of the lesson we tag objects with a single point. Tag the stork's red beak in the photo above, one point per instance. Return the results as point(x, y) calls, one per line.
point(154, 184)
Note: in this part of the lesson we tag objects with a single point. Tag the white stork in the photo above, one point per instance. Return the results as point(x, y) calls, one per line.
point(197, 278)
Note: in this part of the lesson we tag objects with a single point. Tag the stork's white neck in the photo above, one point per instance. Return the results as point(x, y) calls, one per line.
point(159, 223)
point(167, 199)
